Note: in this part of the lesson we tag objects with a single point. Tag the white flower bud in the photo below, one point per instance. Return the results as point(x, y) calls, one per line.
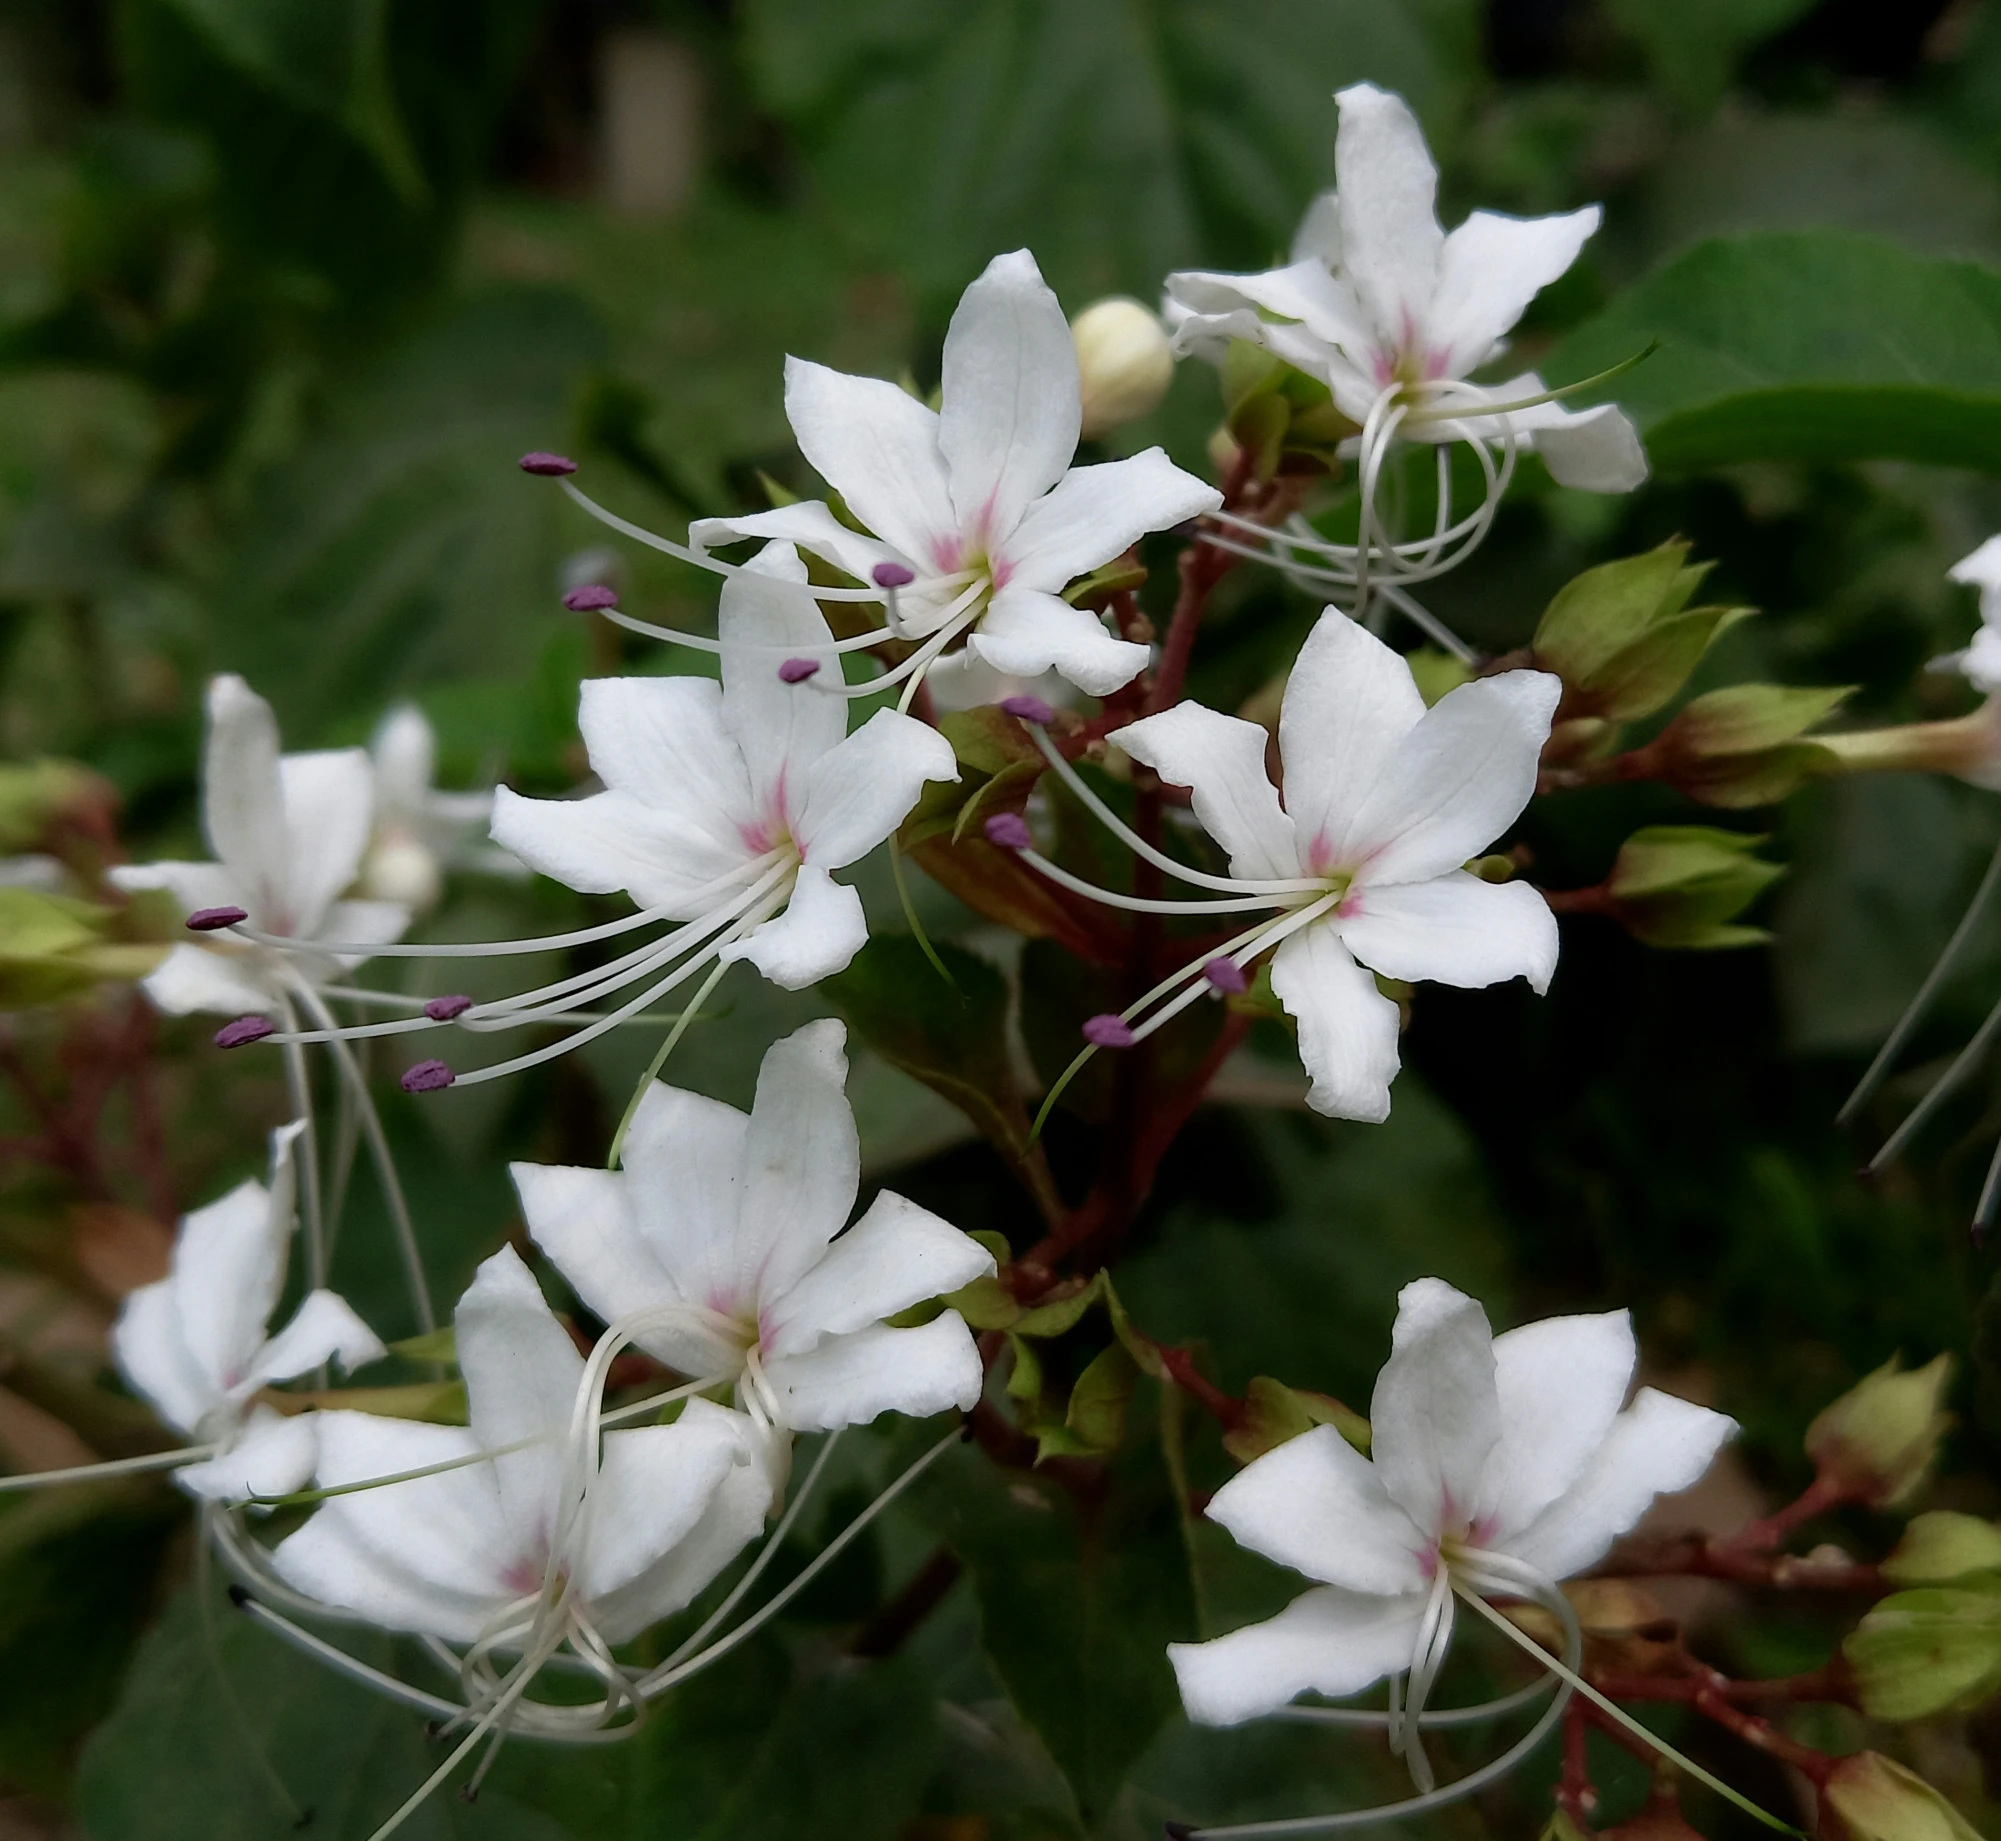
point(398, 868)
point(1124, 361)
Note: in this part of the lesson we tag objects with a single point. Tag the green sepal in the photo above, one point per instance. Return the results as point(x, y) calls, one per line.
point(439, 1345)
point(1943, 1546)
point(1119, 576)
point(1274, 1413)
point(435, 1402)
point(1933, 1650)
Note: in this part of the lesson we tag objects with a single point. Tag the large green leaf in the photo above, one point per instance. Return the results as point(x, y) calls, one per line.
point(1120, 138)
point(1816, 345)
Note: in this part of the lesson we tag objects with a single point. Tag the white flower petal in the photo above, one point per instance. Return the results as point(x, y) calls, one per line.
point(1221, 760)
point(1349, 701)
point(850, 1380)
point(1318, 238)
point(768, 615)
point(582, 1219)
point(1331, 1641)
point(1386, 198)
point(375, 922)
point(1347, 1027)
point(243, 810)
point(663, 741)
point(329, 808)
point(1656, 1446)
point(1491, 267)
point(324, 1328)
point(1317, 1504)
point(1318, 303)
point(684, 1162)
point(1094, 513)
point(610, 841)
point(1561, 1382)
point(1457, 780)
point(1026, 632)
point(1012, 405)
point(1454, 929)
point(1593, 450)
point(403, 755)
point(272, 1456)
point(192, 885)
point(896, 1255)
point(521, 1372)
point(220, 981)
point(229, 1266)
point(857, 793)
point(819, 932)
point(1436, 1413)
point(154, 1357)
point(813, 528)
point(877, 446)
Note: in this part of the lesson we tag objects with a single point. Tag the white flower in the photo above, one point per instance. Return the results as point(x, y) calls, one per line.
point(1495, 1460)
point(194, 1343)
point(288, 832)
point(1980, 662)
point(463, 1554)
point(1384, 802)
point(978, 518)
point(726, 1230)
point(420, 831)
point(1387, 309)
point(714, 791)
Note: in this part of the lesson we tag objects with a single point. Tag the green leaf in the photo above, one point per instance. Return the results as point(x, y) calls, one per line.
point(1928, 1651)
point(1813, 345)
point(1694, 45)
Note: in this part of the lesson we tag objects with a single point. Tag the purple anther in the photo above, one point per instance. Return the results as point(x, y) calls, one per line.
point(1029, 709)
point(443, 1009)
point(892, 575)
point(590, 597)
point(427, 1077)
point(1008, 831)
point(244, 1029)
point(797, 670)
point(1108, 1031)
point(1227, 976)
point(213, 920)
point(551, 466)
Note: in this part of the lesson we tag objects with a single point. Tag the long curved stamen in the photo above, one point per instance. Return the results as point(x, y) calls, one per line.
point(110, 1467)
point(1942, 1089)
point(306, 1151)
point(1434, 1637)
point(963, 611)
point(467, 949)
point(689, 1012)
point(1140, 904)
point(1432, 1719)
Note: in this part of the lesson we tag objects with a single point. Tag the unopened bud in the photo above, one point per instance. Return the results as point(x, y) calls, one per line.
point(399, 869)
point(1943, 1546)
point(1124, 363)
point(1936, 1649)
point(1745, 746)
point(1682, 886)
point(1877, 1441)
point(1878, 1800)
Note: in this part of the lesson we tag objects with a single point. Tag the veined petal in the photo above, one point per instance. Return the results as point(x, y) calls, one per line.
point(654, 1484)
point(610, 841)
point(1026, 632)
point(243, 810)
point(1221, 760)
point(782, 730)
point(272, 1456)
point(192, 885)
point(1386, 198)
point(850, 1380)
point(1489, 270)
point(1317, 1504)
point(521, 1372)
point(1331, 1641)
point(855, 794)
point(896, 1255)
point(329, 808)
point(1094, 513)
point(193, 979)
point(1457, 780)
point(323, 1328)
point(877, 446)
point(1436, 1411)
point(814, 529)
point(1011, 402)
point(1561, 1382)
point(684, 1161)
point(1656, 1446)
point(1349, 701)
point(664, 742)
point(1347, 1027)
point(820, 931)
point(1454, 929)
point(154, 1356)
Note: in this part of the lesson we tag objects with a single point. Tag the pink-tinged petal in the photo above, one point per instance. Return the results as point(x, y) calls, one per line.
point(324, 1328)
point(205, 979)
point(1386, 198)
point(1317, 302)
point(654, 1483)
point(243, 808)
point(1561, 1382)
point(812, 527)
point(1095, 513)
point(1349, 701)
point(781, 727)
point(521, 1371)
point(1457, 781)
point(818, 934)
point(194, 886)
point(1436, 1412)
point(431, 1555)
point(1454, 929)
point(856, 793)
point(1490, 269)
point(606, 842)
point(1221, 760)
point(1026, 632)
point(895, 1256)
point(154, 1357)
point(877, 446)
point(850, 1380)
point(1657, 1446)
point(1347, 1027)
point(684, 1162)
point(1012, 405)
point(1328, 1640)
point(329, 808)
point(1317, 1504)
